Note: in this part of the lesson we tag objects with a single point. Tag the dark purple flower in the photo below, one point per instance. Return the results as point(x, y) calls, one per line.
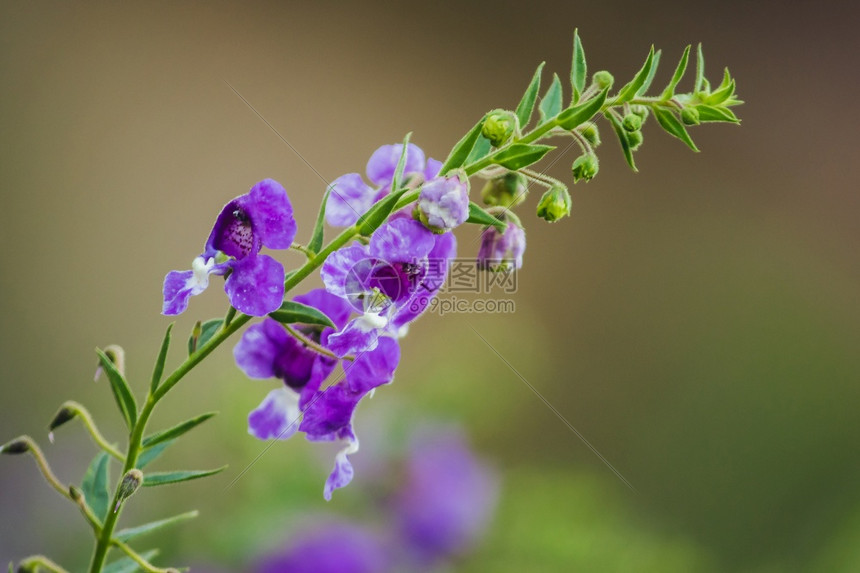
point(351, 197)
point(255, 285)
point(443, 203)
point(337, 547)
point(447, 499)
point(502, 250)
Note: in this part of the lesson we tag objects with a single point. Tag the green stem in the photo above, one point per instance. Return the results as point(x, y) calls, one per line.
point(36, 562)
point(90, 425)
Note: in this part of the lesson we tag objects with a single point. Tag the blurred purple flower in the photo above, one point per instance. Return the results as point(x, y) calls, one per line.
point(502, 250)
point(443, 203)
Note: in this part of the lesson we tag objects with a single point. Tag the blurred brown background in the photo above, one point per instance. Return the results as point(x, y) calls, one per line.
point(698, 321)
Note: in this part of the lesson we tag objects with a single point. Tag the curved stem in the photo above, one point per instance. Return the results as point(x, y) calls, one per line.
point(36, 561)
point(90, 425)
point(34, 450)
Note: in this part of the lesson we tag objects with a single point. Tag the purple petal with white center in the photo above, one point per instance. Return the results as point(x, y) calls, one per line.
point(277, 416)
point(256, 285)
point(401, 240)
point(272, 214)
point(444, 203)
point(383, 162)
point(374, 368)
point(179, 286)
point(350, 198)
point(337, 271)
point(432, 169)
point(343, 472)
point(359, 335)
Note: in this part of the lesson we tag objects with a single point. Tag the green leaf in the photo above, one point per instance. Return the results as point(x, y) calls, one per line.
point(127, 564)
point(164, 478)
point(480, 217)
point(700, 70)
point(95, 485)
point(202, 333)
point(721, 94)
point(579, 114)
point(519, 155)
point(622, 139)
point(377, 214)
point(292, 311)
point(550, 105)
point(162, 357)
point(527, 104)
point(130, 533)
point(460, 153)
point(673, 126)
point(149, 455)
point(676, 77)
point(713, 113)
point(577, 68)
point(121, 391)
point(401, 164)
point(315, 244)
point(629, 91)
point(650, 77)
point(175, 431)
point(481, 150)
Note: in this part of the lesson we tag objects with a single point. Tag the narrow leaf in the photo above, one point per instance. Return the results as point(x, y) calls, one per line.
point(577, 115)
point(292, 311)
point(460, 153)
point(527, 104)
point(121, 391)
point(680, 70)
point(712, 113)
point(149, 455)
point(377, 214)
point(164, 478)
point(401, 164)
point(162, 357)
point(176, 431)
point(673, 126)
point(622, 139)
point(95, 485)
point(721, 94)
point(577, 68)
point(127, 564)
point(202, 335)
point(519, 155)
point(130, 533)
point(700, 70)
point(315, 244)
point(650, 77)
point(550, 105)
point(481, 150)
point(480, 217)
point(629, 91)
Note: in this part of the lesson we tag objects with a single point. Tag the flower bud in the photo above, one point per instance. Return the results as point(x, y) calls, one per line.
point(585, 167)
point(590, 133)
point(117, 356)
point(554, 204)
point(690, 116)
point(634, 138)
point(508, 190)
point(443, 203)
point(498, 127)
point(603, 79)
point(131, 481)
point(17, 446)
point(501, 251)
point(632, 122)
point(641, 110)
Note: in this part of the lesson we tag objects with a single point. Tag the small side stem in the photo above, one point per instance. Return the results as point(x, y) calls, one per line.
point(137, 557)
point(42, 462)
point(90, 425)
point(40, 561)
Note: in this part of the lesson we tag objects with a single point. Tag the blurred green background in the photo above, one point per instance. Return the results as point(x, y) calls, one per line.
point(698, 321)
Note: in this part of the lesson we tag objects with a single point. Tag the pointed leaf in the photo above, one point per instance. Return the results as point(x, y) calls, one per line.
point(377, 214)
point(676, 77)
point(699, 85)
point(519, 155)
point(202, 334)
point(292, 311)
point(164, 478)
point(577, 115)
point(479, 216)
point(577, 68)
point(629, 91)
point(550, 105)
point(401, 164)
point(673, 126)
point(650, 77)
point(130, 533)
point(721, 94)
point(527, 104)
point(127, 564)
point(315, 244)
point(121, 391)
point(622, 139)
point(95, 485)
point(162, 357)
point(481, 150)
point(461, 151)
point(712, 113)
point(176, 431)
point(149, 455)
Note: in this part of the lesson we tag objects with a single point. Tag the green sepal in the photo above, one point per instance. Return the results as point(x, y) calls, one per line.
point(127, 564)
point(550, 105)
point(722, 93)
point(315, 244)
point(175, 431)
point(700, 70)
point(130, 533)
point(202, 332)
point(397, 178)
point(159, 362)
point(479, 216)
point(622, 139)
point(461, 151)
point(95, 485)
point(680, 70)
point(575, 116)
point(629, 91)
point(292, 311)
point(577, 68)
point(527, 104)
point(377, 214)
point(673, 126)
point(651, 73)
point(519, 155)
point(715, 113)
point(165, 478)
point(121, 391)
point(481, 149)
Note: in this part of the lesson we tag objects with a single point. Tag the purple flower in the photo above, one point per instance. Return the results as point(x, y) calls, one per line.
point(255, 285)
point(443, 203)
point(447, 498)
point(500, 251)
point(351, 197)
point(336, 547)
